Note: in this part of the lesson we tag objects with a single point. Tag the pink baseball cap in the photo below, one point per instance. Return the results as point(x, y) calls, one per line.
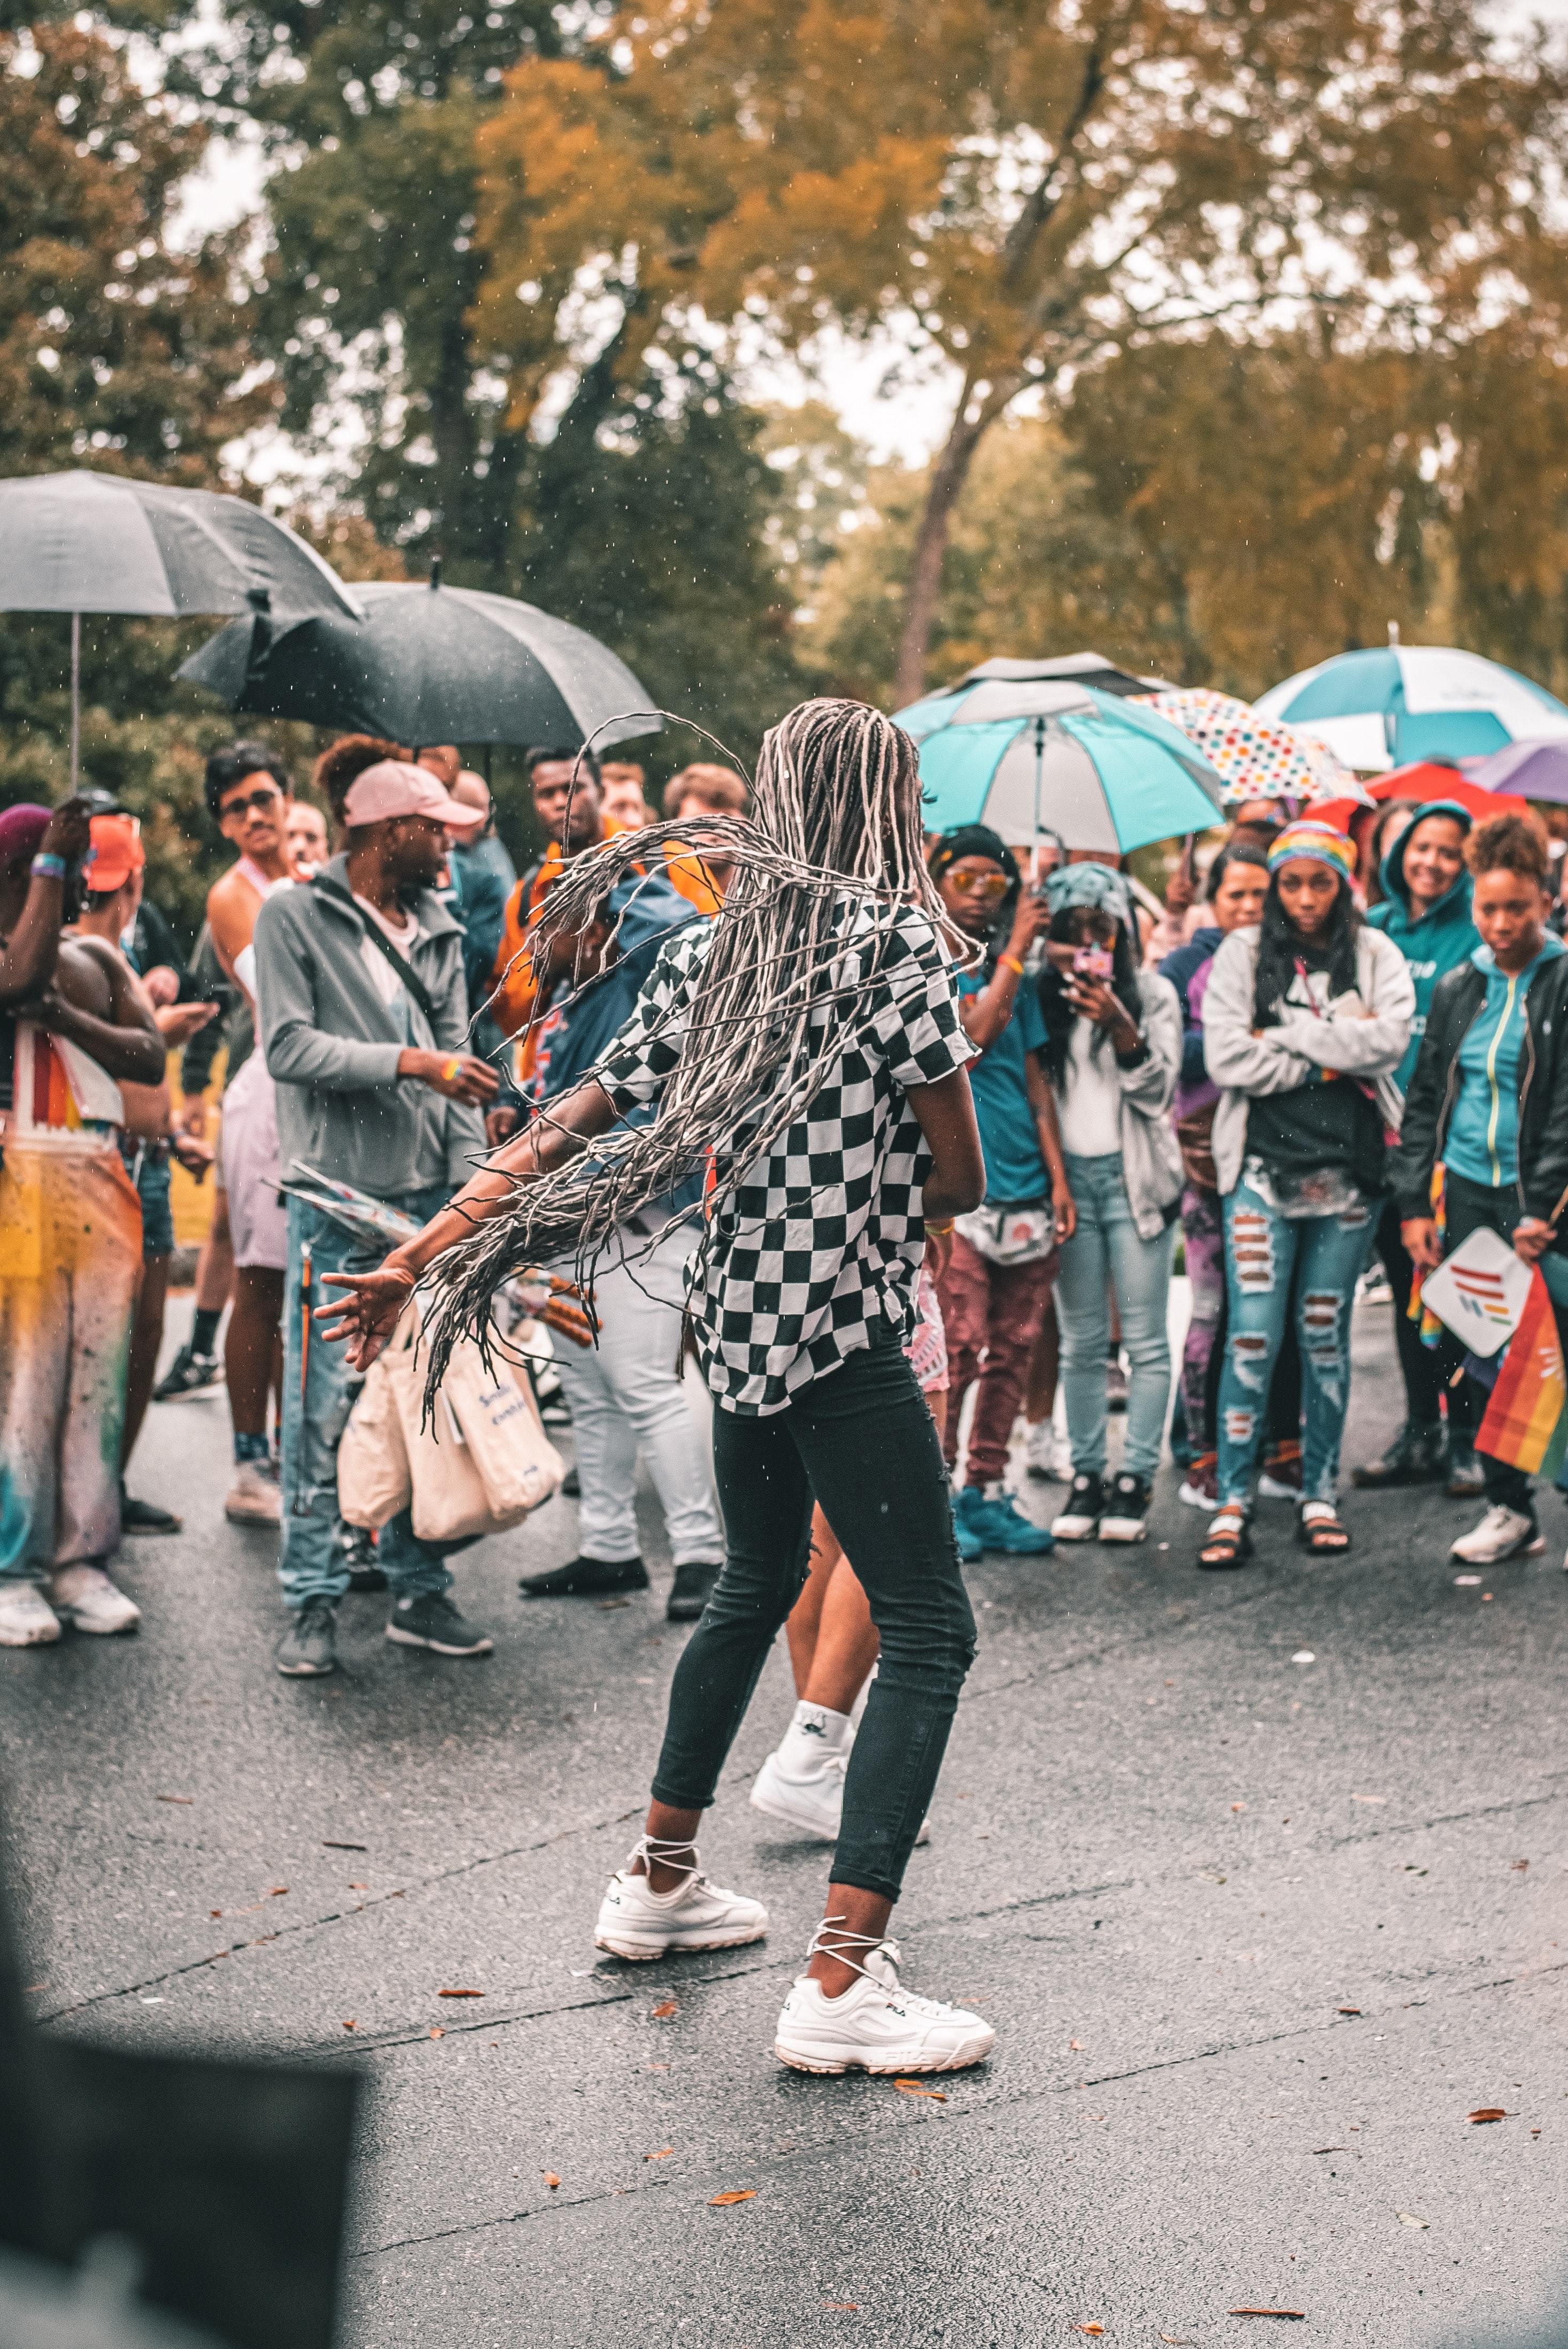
point(395, 787)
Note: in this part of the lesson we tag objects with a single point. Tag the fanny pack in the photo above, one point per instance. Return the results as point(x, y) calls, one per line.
point(1010, 1235)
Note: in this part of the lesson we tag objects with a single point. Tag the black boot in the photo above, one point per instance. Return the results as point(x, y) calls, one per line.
point(585, 1578)
point(1418, 1455)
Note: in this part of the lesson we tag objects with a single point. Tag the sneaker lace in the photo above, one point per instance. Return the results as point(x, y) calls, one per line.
point(651, 1849)
point(833, 1939)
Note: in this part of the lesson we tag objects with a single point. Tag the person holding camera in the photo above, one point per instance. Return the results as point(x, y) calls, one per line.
point(1113, 1053)
point(996, 1281)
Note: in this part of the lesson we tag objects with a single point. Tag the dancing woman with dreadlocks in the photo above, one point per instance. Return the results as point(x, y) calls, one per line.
point(806, 1053)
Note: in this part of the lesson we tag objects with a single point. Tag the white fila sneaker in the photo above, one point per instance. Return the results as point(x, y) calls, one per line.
point(876, 2025)
point(635, 1921)
point(1501, 1534)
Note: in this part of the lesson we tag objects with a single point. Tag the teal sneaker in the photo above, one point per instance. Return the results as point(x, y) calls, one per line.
point(998, 1523)
point(969, 1544)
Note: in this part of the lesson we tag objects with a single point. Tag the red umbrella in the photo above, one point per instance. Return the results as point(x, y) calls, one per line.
point(1429, 779)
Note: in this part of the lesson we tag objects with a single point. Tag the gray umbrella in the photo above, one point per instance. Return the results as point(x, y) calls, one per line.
point(431, 664)
point(84, 542)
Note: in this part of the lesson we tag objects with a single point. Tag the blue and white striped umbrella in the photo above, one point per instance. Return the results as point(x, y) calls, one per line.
point(1040, 753)
point(1401, 703)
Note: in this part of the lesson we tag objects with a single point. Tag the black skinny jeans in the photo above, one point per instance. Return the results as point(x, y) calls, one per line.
point(1469, 1206)
point(862, 1441)
point(1427, 1370)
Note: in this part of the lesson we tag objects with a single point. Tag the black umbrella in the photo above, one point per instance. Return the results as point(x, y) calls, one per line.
point(431, 664)
point(84, 542)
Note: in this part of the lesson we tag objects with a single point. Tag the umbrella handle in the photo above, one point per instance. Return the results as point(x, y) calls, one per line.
point(76, 697)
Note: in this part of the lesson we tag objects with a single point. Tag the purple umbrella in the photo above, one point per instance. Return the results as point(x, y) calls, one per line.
point(1534, 771)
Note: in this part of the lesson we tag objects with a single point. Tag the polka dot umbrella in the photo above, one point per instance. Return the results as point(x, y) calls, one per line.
point(1256, 759)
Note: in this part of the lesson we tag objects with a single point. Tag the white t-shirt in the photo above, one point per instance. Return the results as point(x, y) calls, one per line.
point(1090, 1106)
point(388, 985)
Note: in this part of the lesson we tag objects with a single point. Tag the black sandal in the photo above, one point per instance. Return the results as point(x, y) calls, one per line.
point(1228, 1541)
point(1322, 1535)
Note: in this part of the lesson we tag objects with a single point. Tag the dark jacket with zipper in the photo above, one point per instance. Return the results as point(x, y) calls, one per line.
point(1541, 1189)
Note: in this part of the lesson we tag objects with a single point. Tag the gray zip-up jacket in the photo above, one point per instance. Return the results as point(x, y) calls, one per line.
point(332, 1045)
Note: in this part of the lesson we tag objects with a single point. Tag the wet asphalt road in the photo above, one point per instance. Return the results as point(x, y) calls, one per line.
point(1257, 1931)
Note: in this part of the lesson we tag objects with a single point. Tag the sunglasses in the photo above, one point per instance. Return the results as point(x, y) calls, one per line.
point(987, 885)
point(258, 803)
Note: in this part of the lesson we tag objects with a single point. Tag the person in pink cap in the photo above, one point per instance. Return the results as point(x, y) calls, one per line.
point(363, 1017)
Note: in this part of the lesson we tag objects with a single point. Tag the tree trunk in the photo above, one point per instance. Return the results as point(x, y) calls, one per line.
point(948, 478)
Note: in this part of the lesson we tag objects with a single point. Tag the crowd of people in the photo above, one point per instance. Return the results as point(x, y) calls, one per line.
point(890, 1134)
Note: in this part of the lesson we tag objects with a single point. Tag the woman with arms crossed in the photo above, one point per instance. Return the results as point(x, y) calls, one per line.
point(807, 1050)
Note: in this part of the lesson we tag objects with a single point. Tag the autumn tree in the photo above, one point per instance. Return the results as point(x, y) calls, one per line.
point(1010, 192)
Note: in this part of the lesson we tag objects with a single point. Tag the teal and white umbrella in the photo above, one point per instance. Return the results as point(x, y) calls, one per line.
point(1040, 753)
point(1402, 703)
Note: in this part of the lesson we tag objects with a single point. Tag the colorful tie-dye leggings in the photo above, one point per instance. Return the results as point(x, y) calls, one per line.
point(70, 1262)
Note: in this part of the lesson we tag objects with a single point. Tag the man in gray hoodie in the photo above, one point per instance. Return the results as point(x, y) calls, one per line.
point(364, 1021)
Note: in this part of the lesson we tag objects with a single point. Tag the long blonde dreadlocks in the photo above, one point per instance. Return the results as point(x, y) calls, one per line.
point(832, 852)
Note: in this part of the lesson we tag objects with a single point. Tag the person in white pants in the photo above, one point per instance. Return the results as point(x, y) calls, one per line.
point(626, 1394)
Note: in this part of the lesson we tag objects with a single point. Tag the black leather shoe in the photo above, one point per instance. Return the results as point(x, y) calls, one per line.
point(585, 1578)
point(1418, 1455)
point(689, 1592)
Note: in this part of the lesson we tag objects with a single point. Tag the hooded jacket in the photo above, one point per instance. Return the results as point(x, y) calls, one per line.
point(1433, 943)
point(577, 1032)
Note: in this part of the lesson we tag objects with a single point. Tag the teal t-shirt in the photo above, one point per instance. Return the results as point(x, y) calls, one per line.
point(1482, 1142)
point(1015, 1169)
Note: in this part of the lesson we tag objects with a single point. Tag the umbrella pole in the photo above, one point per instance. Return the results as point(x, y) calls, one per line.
point(76, 697)
point(1039, 792)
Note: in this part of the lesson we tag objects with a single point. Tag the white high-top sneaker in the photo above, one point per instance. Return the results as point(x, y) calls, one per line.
point(802, 1781)
point(636, 1922)
point(876, 2025)
point(84, 1597)
point(26, 1617)
point(1046, 1455)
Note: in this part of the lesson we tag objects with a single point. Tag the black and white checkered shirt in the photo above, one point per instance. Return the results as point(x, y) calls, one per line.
point(823, 1235)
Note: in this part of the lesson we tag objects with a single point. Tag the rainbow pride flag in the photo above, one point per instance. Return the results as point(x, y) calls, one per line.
point(1526, 1422)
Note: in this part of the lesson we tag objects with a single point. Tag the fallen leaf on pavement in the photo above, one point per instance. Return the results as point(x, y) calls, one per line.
point(1408, 2218)
point(740, 2194)
point(460, 1993)
point(1519, 1865)
point(1486, 2112)
point(852, 2306)
point(215, 1912)
point(1347, 2010)
point(1299, 2313)
point(1088, 2328)
point(174, 1798)
point(919, 2088)
point(359, 1887)
point(665, 2009)
point(330, 1845)
point(662, 2155)
point(1238, 1806)
point(1178, 2340)
point(1077, 2043)
point(351, 2026)
point(551, 2180)
point(1369, 1798)
point(436, 2031)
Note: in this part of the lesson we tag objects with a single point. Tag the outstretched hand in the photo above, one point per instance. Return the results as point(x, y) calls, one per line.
point(368, 1316)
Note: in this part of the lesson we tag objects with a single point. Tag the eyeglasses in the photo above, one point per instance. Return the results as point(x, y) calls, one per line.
point(258, 803)
point(989, 885)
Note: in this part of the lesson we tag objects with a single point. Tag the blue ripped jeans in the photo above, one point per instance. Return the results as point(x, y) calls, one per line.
point(1274, 1265)
point(315, 1414)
